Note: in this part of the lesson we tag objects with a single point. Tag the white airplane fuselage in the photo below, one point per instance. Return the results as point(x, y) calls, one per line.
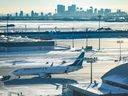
point(45, 71)
point(48, 71)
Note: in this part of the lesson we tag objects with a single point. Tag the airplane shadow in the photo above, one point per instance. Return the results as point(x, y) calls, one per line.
point(38, 80)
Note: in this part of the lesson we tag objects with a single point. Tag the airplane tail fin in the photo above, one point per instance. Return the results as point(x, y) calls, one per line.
point(79, 60)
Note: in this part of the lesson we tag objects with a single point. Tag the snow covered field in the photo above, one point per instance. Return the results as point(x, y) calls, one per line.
point(33, 86)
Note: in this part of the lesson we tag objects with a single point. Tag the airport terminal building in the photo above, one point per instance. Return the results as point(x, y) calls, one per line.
point(114, 83)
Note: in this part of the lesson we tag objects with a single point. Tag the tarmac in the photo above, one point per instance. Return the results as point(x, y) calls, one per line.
point(108, 58)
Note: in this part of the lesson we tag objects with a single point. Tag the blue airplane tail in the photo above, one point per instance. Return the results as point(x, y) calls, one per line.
point(79, 60)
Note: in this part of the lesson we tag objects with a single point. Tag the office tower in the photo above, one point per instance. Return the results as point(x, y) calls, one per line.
point(95, 11)
point(101, 12)
point(72, 8)
point(32, 13)
point(42, 14)
point(16, 14)
point(60, 9)
point(90, 11)
point(21, 14)
point(107, 11)
point(27, 15)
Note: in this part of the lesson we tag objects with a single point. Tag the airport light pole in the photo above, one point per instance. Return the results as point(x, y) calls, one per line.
point(39, 28)
point(55, 39)
point(25, 28)
point(7, 22)
point(86, 37)
point(55, 28)
point(91, 60)
point(120, 42)
point(99, 16)
point(72, 38)
point(7, 31)
point(7, 27)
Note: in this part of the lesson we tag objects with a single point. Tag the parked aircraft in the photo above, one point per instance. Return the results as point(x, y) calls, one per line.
point(48, 71)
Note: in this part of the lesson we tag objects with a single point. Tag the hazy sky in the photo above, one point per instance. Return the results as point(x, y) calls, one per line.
point(11, 6)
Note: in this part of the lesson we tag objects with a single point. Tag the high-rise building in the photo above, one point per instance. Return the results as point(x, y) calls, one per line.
point(42, 14)
point(32, 13)
point(101, 12)
point(107, 11)
point(27, 15)
point(36, 14)
point(21, 14)
point(95, 11)
point(90, 11)
point(60, 9)
point(16, 14)
point(72, 8)
point(121, 13)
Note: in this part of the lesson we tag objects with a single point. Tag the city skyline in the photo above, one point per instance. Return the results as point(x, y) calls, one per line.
point(45, 5)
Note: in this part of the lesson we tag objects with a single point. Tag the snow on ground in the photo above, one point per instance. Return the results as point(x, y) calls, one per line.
point(39, 58)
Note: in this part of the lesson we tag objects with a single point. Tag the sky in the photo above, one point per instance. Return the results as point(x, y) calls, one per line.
point(12, 6)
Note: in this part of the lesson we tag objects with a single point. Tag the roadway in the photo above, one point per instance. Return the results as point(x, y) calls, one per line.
point(48, 35)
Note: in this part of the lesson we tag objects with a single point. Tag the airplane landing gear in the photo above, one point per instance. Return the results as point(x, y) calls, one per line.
point(18, 77)
point(49, 76)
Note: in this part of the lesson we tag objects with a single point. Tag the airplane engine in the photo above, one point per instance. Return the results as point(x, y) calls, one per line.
point(43, 75)
point(3, 78)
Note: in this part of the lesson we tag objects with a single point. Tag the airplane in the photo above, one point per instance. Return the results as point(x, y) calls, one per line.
point(46, 72)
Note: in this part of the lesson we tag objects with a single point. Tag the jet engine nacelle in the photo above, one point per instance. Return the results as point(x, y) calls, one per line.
point(3, 78)
point(43, 75)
